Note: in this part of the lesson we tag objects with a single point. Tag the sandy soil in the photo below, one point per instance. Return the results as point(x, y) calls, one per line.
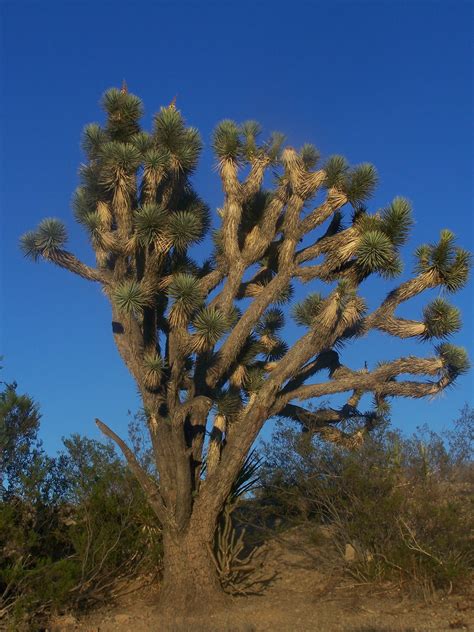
point(299, 598)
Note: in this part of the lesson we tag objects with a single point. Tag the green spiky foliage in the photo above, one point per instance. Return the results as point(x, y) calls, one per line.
point(49, 237)
point(360, 183)
point(455, 359)
point(130, 297)
point(183, 143)
point(186, 228)
point(336, 169)
point(154, 366)
point(228, 404)
point(305, 312)
point(186, 291)
point(199, 307)
point(272, 321)
point(250, 131)
point(210, 324)
point(239, 143)
point(251, 349)
point(375, 251)
point(124, 112)
point(397, 221)
point(227, 142)
point(274, 146)
point(310, 155)
point(441, 319)
point(150, 223)
point(93, 139)
point(347, 295)
point(255, 379)
point(451, 262)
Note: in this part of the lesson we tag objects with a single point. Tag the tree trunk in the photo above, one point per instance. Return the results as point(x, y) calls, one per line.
point(190, 582)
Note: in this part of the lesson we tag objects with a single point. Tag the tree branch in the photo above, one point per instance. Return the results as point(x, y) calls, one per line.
point(334, 201)
point(68, 261)
point(149, 487)
point(129, 341)
point(378, 381)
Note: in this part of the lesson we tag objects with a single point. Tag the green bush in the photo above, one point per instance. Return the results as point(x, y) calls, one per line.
point(403, 504)
point(72, 528)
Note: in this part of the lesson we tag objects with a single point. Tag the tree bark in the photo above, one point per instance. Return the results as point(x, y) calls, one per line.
point(190, 582)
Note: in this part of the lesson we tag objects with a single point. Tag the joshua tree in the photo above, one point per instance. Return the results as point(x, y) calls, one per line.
point(202, 339)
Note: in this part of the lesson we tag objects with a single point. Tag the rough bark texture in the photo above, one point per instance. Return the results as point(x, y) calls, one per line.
point(190, 582)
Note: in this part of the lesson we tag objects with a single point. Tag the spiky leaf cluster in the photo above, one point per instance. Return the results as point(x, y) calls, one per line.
point(156, 159)
point(306, 311)
point(142, 141)
point(451, 262)
point(382, 235)
point(153, 366)
point(336, 169)
point(92, 188)
point(130, 297)
point(92, 222)
point(441, 319)
point(186, 227)
point(228, 403)
point(275, 349)
point(272, 346)
point(455, 359)
point(226, 141)
point(83, 203)
point(118, 160)
point(271, 322)
point(255, 379)
point(381, 406)
point(93, 138)
point(210, 324)
point(250, 350)
point(358, 183)
point(375, 251)
point(397, 220)
point(238, 143)
point(182, 143)
point(351, 307)
point(124, 113)
point(187, 294)
point(250, 130)
point(50, 236)
point(150, 223)
point(285, 295)
point(273, 146)
point(310, 155)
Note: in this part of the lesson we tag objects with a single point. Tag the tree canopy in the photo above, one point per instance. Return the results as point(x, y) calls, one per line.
point(204, 339)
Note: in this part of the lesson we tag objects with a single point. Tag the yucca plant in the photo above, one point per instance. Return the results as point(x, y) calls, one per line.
point(201, 328)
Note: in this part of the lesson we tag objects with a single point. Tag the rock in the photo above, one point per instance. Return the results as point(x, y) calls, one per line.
point(350, 554)
point(122, 618)
point(65, 622)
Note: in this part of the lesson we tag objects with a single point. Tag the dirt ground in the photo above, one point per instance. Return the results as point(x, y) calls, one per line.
point(298, 598)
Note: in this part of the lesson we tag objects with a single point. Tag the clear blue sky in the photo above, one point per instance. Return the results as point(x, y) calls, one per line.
point(385, 82)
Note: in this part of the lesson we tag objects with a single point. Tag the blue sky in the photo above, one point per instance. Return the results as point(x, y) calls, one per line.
point(386, 82)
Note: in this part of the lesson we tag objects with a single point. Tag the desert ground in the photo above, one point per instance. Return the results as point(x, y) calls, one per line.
point(298, 597)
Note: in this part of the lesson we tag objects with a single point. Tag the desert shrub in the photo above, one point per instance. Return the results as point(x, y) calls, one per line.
point(73, 529)
point(403, 504)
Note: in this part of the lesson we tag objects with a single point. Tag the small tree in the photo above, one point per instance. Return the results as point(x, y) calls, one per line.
point(196, 356)
point(20, 448)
